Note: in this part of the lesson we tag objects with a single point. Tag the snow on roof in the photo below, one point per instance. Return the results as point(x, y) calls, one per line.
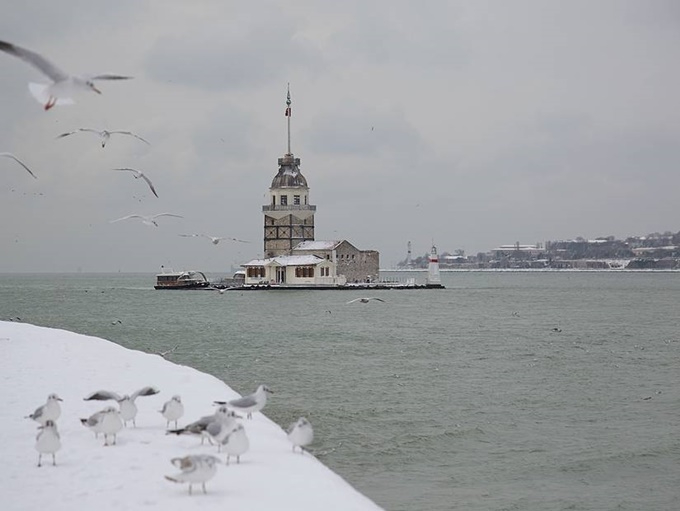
point(317, 245)
point(292, 260)
point(130, 474)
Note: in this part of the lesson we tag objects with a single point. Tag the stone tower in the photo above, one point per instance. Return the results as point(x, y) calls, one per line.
point(288, 218)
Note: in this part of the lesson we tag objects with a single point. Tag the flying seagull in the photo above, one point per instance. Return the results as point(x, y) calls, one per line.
point(213, 239)
point(366, 299)
point(63, 85)
point(139, 174)
point(10, 155)
point(149, 220)
point(103, 134)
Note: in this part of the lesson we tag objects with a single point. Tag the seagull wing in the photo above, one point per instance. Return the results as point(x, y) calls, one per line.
point(131, 134)
point(78, 131)
point(189, 235)
point(127, 217)
point(10, 155)
point(376, 298)
point(167, 214)
point(243, 402)
point(355, 300)
point(144, 391)
point(35, 59)
point(148, 181)
point(136, 172)
point(102, 395)
point(109, 77)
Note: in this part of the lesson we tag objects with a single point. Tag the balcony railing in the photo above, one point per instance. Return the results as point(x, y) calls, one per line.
point(299, 207)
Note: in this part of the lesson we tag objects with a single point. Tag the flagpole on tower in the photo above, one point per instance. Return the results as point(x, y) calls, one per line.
point(288, 114)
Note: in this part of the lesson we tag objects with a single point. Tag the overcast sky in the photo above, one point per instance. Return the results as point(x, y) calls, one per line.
point(468, 123)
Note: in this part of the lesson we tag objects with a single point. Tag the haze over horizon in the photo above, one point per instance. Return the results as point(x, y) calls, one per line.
point(468, 123)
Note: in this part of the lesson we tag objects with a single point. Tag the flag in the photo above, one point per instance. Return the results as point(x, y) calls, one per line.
point(288, 112)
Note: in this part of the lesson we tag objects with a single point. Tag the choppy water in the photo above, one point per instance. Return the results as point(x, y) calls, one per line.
point(463, 398)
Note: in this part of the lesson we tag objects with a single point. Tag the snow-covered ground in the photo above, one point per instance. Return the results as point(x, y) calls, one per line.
point(38, 361)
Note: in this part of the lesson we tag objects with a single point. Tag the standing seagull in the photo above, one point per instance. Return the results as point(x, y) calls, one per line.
point(196, 468)
point(172, 410)
point(213, 239)
point(236, 443)
point(128, 408)
point(149, 220)
point(10, 155)
point(301, 433)
point(47, 441)
point(251, 403)
point(50, 411)
point(63, 85)
point(200, 427)
point(103, 134)
point(139, 174)
point(366, 299)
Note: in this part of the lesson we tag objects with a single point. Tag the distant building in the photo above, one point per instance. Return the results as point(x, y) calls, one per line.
point(292, 256)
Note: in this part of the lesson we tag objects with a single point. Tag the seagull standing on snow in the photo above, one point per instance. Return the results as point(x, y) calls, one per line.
point(172, 410)
point(47, 441)
point(301, 433)
point(128, 408)
point(251, 403)
point(236, 443)
point(103, 134)
point(196, 468)
point(50, 411)
point(149, 220)
point(139, 174)
point(200, 427)
point(63, 85)
point(106, 421)
point(213, 239)
point(366, 299)
point(10, 155)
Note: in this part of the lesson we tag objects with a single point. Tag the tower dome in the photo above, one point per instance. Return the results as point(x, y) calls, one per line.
point(289, 175)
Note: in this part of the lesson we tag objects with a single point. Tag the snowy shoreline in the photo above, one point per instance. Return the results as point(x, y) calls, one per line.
point(38, 361)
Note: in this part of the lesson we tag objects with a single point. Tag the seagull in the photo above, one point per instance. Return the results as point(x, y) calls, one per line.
point(223, 424)
point(196, 468)
point(103, 134)
point(106, 421)
point(149, 220)
point(200, 427)
point(301, 433)
point(213, 239)
point(63, 85)
point(128, 408)
point(10, 155)
point(251, 403)
point(236, 443)
point(50, 411)
point(172, 410)
point(47, 441)
point(94, 422)
point(139, 174)
point(366, 299)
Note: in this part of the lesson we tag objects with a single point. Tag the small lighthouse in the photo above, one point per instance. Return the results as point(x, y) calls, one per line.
point(433, 278)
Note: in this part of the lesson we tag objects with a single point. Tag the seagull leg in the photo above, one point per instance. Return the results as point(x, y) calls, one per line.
point(189, 488)
point(203, 484)
point(227, 460)
point(50, 103)
point(54, 460)
point(238, 459)
point(39, 458)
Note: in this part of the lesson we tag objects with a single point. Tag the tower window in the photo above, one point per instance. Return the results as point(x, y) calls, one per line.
point(296, 200)
point(284, 200)
point(273, 200)
point(305, 200)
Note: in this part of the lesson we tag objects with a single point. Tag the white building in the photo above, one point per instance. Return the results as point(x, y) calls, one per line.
point(293, 271)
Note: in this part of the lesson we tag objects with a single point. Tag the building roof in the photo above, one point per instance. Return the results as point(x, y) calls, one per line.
point(289, 175)
point(317, 245)
point(293, 260)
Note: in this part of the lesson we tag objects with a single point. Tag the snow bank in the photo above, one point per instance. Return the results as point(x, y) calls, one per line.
point(37, 361)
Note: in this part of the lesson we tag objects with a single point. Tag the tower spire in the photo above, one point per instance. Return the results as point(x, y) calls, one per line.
point(288, 115)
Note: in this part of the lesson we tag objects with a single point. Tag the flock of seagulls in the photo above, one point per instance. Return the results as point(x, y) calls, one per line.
point(60, 91)
point(221, 428)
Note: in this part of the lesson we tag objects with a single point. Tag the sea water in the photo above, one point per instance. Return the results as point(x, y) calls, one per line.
point(504, 391)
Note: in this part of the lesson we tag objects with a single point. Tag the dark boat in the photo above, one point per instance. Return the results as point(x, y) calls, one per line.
point(181, 280)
